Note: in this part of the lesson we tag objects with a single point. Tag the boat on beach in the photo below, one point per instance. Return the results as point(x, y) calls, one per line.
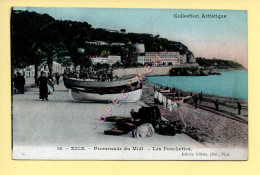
point(126, 89)
point(168, 98)
point(178, 100)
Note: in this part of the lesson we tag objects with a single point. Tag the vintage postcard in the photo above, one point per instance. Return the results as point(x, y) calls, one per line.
point(129, 84)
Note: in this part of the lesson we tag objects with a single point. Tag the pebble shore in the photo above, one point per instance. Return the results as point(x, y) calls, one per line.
point(222, 128)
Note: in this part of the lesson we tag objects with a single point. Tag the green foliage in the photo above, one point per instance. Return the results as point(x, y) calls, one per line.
point(39, 37)
point(123, 30)
point(32, 36)
point(117, 65)
point(99, 66)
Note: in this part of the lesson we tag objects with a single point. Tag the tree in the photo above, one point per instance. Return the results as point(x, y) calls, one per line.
point(33, 35)
point(38, 37)
point(86, 62)
point(117, 65)
point(97, 66)
point(64, 61)
point(105, 66)
point(123, 30)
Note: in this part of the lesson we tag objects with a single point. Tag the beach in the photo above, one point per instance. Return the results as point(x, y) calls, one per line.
point(223, 128)
point(53, 129)
point(205, 125)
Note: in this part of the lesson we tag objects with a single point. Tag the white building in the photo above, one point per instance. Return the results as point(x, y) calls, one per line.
point(139, 48)
point(98, 43)
point(71, 68)
point(29, 71)
point(101, 60)
point(57, 68)
point(158, 58)
point(111, 59)
point(117, 44)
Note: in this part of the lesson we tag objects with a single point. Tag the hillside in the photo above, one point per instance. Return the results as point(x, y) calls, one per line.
point(36, 37)
point(218, 64)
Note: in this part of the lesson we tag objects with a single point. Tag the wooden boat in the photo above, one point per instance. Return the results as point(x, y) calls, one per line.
point(164, 90)
point(164, 97)
point(127, 89)
point(178, 100)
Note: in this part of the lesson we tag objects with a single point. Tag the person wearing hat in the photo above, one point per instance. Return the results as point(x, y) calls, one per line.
point(43, 88)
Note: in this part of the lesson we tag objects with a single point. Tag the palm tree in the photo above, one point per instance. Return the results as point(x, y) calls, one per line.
point(34, 34)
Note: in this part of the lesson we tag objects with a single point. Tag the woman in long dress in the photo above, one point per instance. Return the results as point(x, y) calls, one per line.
point(43, 88)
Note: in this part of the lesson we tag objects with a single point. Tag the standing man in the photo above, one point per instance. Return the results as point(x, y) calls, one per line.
point(196, 101)
point(216, 104)
point(191, 97)
point(20, 82)
point(239, 107)
point(200, 96)
point(43, 89)
point(57, 76)
point(84, 74)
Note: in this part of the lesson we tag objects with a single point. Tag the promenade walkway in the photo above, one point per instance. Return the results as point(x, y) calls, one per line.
point(62, 122)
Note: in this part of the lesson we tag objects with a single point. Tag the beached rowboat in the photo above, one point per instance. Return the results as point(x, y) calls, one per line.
point(178, 100)
point(127, 89)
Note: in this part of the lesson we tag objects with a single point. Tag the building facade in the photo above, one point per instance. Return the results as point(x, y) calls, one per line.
point(101, 60)
point(111, 59)
point(29, 71)
point(160, 58)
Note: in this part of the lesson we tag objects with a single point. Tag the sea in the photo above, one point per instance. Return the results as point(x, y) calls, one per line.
point(228, 84)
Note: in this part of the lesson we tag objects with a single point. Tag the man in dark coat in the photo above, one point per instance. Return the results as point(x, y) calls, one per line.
point(216, 104)
point(20, 82)
point(239, 107)
point(84, 75)
point(43, 88)
point(200, 96)
point(196, 101)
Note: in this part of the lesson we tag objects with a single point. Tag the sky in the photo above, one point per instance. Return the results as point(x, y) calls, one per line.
point(224, 38)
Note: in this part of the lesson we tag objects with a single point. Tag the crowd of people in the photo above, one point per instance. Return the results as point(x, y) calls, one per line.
point(45, 84)
point(101, 75)
point(18, 83)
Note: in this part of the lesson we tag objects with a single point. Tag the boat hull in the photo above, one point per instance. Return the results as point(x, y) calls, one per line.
point(106, 91)
point(80, 96)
